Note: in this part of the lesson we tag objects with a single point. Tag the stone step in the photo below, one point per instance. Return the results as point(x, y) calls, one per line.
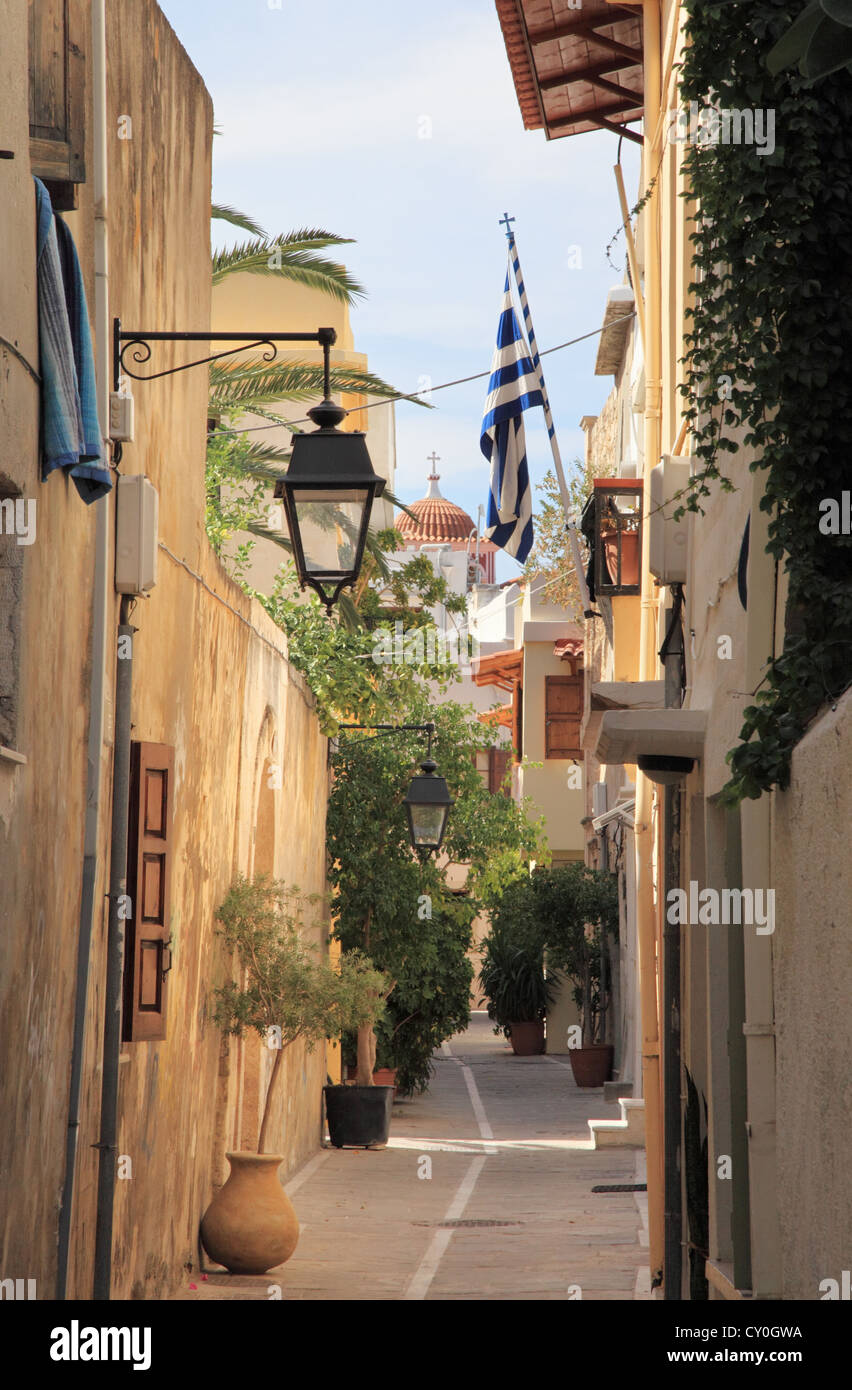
point(626, 1133)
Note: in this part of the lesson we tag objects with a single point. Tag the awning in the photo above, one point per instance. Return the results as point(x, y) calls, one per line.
point(501, 717)
point(502, 669)
point(575, 69)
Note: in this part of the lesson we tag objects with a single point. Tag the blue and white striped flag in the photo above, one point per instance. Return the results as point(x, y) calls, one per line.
point(514, 386)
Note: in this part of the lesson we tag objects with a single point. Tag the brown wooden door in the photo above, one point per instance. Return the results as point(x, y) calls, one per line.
point(563, 712)
point(147, 956)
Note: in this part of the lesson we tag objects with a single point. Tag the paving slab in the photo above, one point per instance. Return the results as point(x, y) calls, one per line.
point(506, 1213)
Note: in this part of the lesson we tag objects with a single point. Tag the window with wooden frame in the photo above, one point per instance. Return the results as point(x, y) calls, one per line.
point(147, 948)
point(563, 711)
point(498, 763)
point(58, 46)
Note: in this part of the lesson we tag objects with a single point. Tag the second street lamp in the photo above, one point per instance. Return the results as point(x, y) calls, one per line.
point(427, 805)
point(328, 493)
point(427, 802)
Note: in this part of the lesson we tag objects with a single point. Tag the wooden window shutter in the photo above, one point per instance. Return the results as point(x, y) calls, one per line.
point(562, 716)
point(498, 764)
point(518, 720)
point(58, 47)
point(147, 957)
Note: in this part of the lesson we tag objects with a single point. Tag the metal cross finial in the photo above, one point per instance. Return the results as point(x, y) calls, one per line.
point(506, 221)
point(433, 458)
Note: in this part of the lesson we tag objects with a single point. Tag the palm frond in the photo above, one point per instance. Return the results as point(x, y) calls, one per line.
point(388, 496)
point(265, 534)
point(350, 618)
point(222, 213)
point(242, 385)
point(293, 255)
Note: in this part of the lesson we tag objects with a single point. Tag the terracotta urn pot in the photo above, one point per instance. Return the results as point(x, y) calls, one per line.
point(527, 1039)
point(629, 555)
point(592, 1065)
point(250, 1226)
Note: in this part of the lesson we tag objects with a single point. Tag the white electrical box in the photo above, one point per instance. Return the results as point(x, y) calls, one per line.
point(136, 535)
point(121, 417)
point(668, 539)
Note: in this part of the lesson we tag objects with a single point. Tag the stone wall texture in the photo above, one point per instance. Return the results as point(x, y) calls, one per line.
point(210, 678)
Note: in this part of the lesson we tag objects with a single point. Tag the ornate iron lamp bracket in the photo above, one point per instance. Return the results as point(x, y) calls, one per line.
point(136, 344)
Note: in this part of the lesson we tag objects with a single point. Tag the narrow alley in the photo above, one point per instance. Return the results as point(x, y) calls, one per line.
point(502, 1209)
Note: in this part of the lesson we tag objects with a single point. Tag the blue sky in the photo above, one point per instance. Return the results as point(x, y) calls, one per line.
point(323, 110)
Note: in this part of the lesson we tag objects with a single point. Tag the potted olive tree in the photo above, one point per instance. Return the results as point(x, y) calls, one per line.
point(286, 992)
point(512, 976)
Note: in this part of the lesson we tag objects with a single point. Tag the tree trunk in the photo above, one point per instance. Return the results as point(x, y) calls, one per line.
point(366, 1055)
point(366, 1035)
point(264, 1124)
point(588, 1029)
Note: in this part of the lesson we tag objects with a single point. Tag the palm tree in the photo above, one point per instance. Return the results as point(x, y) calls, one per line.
point(248, 386)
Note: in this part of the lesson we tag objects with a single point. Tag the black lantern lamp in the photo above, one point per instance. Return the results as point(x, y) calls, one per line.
point(328, 494)
point(427, 805)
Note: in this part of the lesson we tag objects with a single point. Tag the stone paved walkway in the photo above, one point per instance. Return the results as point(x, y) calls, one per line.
point(507, 1213)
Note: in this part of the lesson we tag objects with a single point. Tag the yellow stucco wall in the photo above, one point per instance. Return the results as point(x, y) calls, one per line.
point(210, 678)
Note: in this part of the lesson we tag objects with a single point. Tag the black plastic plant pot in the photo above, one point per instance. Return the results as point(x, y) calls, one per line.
point(358, 1116)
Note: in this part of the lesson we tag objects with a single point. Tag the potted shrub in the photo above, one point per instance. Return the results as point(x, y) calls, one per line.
point(288, 993)
point(624, 526)
point(575, 910)
point(513, 979)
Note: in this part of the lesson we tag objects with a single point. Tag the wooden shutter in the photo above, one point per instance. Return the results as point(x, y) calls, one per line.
point(518, 720)
point(498, 764)
point(147, 957)
point(562, 715)
point(58, 47)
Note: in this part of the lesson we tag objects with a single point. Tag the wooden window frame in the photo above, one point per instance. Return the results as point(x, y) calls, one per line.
point(141, 1022)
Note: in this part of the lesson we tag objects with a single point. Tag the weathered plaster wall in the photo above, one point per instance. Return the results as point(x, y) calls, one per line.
point(813, 1020)
point(210, 678)
point(41, 802)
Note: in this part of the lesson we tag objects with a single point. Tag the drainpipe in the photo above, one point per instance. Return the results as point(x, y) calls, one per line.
point(646, 917)
point(106, 1146)
point(671, 1012)
point(101, 592)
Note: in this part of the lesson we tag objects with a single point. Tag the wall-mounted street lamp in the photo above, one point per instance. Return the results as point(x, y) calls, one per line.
point(427, 802)
point(330, 485)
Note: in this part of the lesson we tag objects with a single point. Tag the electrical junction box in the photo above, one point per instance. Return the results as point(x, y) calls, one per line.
point(121, 417)
point(136, 535)
point(668, 539)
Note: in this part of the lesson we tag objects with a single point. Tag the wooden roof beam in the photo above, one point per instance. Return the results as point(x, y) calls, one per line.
point(597, 113)
point(614, 89)
point(613, 64)
point(581, 27)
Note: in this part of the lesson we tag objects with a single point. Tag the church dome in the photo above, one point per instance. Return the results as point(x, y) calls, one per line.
point(439, 522)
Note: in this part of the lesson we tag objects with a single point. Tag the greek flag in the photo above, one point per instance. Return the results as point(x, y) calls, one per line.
point(514, 386)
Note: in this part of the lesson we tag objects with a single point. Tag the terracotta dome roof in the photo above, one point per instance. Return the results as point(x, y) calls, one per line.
point(438, 521)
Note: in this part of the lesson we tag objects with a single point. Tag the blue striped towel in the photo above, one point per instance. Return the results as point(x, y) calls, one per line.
point(70, 431)
point(513, 388)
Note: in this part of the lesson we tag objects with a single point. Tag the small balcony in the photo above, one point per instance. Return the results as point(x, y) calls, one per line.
point(612, 525)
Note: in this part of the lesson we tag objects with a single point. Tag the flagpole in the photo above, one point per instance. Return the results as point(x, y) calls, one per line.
point(570, 526)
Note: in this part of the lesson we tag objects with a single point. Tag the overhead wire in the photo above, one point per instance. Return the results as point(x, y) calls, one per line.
point(416, 395)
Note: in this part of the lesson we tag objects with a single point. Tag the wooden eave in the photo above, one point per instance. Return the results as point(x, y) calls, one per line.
point(575, 69)
point(503, 669)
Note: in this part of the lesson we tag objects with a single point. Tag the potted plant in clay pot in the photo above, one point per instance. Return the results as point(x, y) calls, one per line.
point(620, 531)
point(513, 979)
point(286, 993)
point(575, 917)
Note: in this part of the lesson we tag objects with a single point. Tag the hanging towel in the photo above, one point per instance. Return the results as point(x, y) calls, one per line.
point(70, 432)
